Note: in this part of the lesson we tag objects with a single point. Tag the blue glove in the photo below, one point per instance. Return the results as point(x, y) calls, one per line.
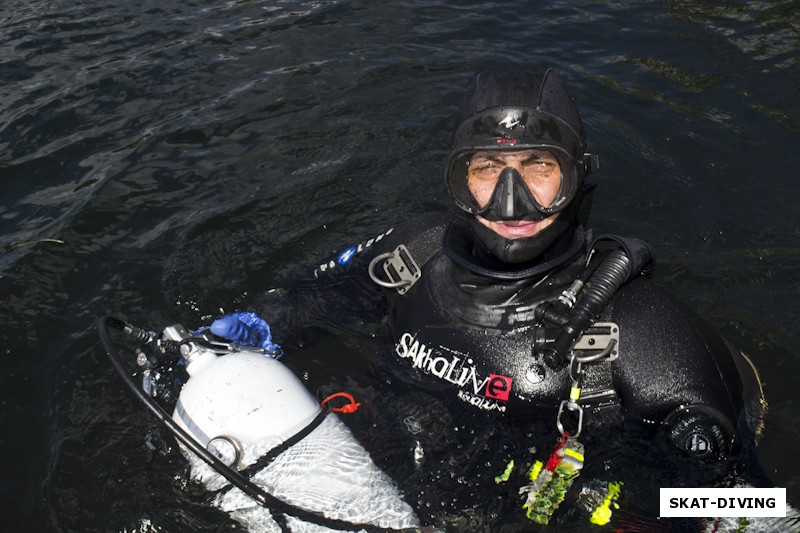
point(246, 329)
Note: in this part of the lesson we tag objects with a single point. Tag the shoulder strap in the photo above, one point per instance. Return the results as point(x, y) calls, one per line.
point(403, 265)
point(425, 245)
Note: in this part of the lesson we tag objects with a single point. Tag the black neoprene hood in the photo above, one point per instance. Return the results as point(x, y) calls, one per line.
point(519, 108)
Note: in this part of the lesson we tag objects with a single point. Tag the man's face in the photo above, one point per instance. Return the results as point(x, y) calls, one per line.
point(541, 173)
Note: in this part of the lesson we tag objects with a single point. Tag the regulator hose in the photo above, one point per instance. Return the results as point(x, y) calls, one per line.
point(601, 287)
point(252, 490)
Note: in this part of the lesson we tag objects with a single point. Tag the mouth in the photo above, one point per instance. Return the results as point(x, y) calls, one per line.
point(513, 229)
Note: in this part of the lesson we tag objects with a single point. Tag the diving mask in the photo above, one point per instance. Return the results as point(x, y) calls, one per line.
point(535, 186)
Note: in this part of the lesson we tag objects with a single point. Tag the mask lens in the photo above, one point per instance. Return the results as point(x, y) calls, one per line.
point(549, 178)
point(540, 173)
point(457, 184)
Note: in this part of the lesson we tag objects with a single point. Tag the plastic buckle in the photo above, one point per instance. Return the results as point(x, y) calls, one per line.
point(599, 400)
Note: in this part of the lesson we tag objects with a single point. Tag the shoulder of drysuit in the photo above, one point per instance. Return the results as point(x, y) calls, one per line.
point(355, 257)
point(669, 357)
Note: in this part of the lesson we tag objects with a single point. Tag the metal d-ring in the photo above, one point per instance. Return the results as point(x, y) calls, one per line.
point(605, 354)
point(374, 277)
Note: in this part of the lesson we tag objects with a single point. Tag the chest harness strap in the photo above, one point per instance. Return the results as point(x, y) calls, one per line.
point(598, 392)
point(403, 266)
point(590, 343)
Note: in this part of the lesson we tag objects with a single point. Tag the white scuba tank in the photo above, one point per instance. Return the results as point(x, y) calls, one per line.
point(240, 406)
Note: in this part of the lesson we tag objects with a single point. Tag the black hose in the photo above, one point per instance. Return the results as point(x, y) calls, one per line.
point(235, 478)
point(601, 287)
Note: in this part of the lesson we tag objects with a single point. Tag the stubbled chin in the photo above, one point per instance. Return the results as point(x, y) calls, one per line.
point(515, 229)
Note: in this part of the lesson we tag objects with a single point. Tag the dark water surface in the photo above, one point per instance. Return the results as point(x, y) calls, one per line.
point(162, 160)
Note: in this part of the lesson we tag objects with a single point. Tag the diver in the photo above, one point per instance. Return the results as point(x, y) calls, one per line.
point(510, 316)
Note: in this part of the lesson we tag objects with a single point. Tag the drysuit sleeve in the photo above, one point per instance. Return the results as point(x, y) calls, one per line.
point(679, 376)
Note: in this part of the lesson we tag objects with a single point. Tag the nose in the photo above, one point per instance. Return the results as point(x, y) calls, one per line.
point(515, 163)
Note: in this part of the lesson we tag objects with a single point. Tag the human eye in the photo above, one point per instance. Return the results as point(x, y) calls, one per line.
point(483, 165)
point(540, 165)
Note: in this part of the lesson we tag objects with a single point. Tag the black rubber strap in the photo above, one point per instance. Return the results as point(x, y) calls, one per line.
point(273, 454)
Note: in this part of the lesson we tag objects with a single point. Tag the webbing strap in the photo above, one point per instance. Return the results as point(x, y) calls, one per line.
point(404, 265)
point(425, 245)
point(598, 392)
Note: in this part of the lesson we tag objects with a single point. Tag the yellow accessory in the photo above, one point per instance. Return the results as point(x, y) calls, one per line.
point(575, 394)
point(602, 514)
point(506, 473)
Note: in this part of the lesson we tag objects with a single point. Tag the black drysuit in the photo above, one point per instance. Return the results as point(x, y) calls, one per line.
point(467, 391)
